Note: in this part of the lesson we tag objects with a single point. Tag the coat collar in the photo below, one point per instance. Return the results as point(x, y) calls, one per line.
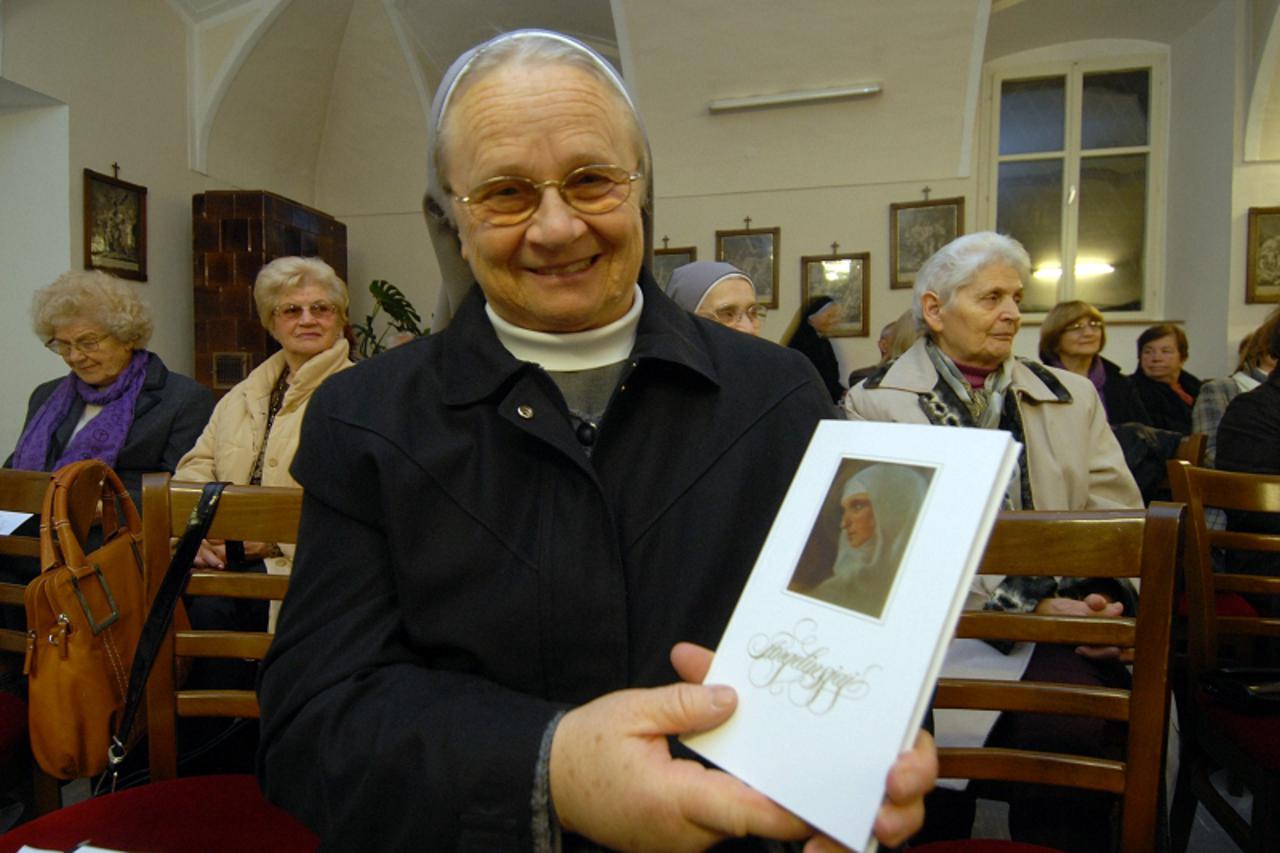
point(152, 385)
point(476, 365)
point(914, 372)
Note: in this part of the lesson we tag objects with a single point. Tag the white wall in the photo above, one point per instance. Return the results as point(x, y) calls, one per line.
point(372, 167)
point(1203, 116)
point(34, 242)
point(120, 66)
point(1254, 184)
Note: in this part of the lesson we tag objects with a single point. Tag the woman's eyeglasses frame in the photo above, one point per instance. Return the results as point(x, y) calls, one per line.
point(86, 344)
point(292, 312)
point(482, 200)
point(730, 314)
point(1081, 325)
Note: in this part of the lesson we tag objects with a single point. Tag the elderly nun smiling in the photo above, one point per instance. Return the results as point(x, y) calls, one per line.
point(531, 505)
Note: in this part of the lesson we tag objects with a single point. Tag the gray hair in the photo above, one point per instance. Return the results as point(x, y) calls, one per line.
point(955, 264)
point(527, 49)
point(92, 296)
point(283, 275)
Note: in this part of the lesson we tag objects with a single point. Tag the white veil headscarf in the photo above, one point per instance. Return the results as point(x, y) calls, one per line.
point(456, 277)
point(896, 494)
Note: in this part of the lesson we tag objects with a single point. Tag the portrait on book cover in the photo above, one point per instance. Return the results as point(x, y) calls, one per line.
point(862, 531)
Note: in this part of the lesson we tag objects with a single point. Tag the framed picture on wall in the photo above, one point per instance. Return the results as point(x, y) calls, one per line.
point(667, 261)
point(1262, 274)
point(755, 252)
point(846, 279)
point(917, 229)
point(115, 226)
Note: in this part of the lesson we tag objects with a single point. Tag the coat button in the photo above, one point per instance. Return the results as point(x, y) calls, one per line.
point(272, 463)
point(525, 412)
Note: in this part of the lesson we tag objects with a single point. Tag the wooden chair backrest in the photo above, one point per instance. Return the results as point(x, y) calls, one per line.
point(1095, 544)
point(1201, 488)
point(1192, 448)
point(247, 513)
point(20, 491)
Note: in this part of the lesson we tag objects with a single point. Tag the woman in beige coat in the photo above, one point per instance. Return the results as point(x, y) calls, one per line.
point(253, 433)
point(962, 372)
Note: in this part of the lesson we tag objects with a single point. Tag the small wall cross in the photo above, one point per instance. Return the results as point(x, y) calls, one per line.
point(835, 248)
point(926, 192)
point(115, 169)
point(748, 221)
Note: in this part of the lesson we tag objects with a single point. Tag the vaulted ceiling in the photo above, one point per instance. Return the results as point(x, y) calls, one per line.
point(303, 81)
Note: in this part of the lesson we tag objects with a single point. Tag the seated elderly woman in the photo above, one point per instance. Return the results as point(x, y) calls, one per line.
point(963, 373)
point(119, 403)
point(1168, 392)
point(251, 439)
point(718, 291)
point(1249, 441)
point(1253, 366)
point(253, 433)
point(1072, 337)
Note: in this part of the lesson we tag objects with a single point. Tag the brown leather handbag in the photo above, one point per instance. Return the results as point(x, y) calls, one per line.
point(84, 617)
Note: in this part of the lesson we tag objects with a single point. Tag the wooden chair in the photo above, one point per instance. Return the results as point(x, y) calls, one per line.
point(20, 491)
point(1214, 735)
point(1078, 544)
point(227, 812)
point(1192, 447)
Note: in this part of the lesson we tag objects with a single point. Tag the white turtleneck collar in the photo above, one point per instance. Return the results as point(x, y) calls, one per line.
point(571, 351)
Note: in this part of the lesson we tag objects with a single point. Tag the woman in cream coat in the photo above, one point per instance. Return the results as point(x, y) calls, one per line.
point(253, 433)
point(962, 372)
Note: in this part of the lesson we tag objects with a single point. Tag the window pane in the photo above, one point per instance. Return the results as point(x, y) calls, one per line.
point(1032, 115)
point(1113, 224)
point(1029, 209)
point(1116, 109)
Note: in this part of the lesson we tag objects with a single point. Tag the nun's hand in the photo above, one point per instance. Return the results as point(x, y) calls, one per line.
point(614, 780)
point(912, 776)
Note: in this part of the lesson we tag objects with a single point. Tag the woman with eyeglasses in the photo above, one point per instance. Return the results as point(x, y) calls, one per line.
point(253, 433)
point(1072, 337)
point(720, 292)
point(119, 403)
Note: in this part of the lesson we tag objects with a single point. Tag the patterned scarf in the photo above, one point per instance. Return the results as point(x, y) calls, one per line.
point(982, 405)
point(102, 437)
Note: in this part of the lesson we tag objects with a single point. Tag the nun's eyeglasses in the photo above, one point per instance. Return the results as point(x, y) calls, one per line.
point(510, 200)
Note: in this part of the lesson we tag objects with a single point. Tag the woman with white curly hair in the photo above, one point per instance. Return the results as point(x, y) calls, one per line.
point(119, 403)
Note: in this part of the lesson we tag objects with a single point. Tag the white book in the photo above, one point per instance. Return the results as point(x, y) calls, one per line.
point(837, 639)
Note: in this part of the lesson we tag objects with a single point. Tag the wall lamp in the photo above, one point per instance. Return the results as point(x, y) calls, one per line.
point(803, 96)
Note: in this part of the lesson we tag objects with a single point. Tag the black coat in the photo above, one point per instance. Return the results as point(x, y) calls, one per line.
point(1249, 441)
point(1121, 400)
point(168, 417)
point(465, 570)
point(1165, 408)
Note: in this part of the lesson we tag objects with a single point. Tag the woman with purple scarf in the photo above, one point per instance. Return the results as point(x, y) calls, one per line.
point(1072, 337)
point(119, 403)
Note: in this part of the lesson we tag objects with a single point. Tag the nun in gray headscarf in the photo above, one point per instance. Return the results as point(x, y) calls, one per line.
point(718, 291)
point(879, 506)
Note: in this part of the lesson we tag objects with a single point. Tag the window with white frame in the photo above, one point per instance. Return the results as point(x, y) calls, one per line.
point(1078, 178)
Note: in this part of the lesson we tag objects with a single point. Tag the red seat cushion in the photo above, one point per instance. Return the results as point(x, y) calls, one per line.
point(980, 845)
point(1257, 734)
point(13, 726)
point(217, 814)
point(1225, 604)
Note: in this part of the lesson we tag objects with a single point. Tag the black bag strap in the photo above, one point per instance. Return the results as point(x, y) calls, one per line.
point(161, 616)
